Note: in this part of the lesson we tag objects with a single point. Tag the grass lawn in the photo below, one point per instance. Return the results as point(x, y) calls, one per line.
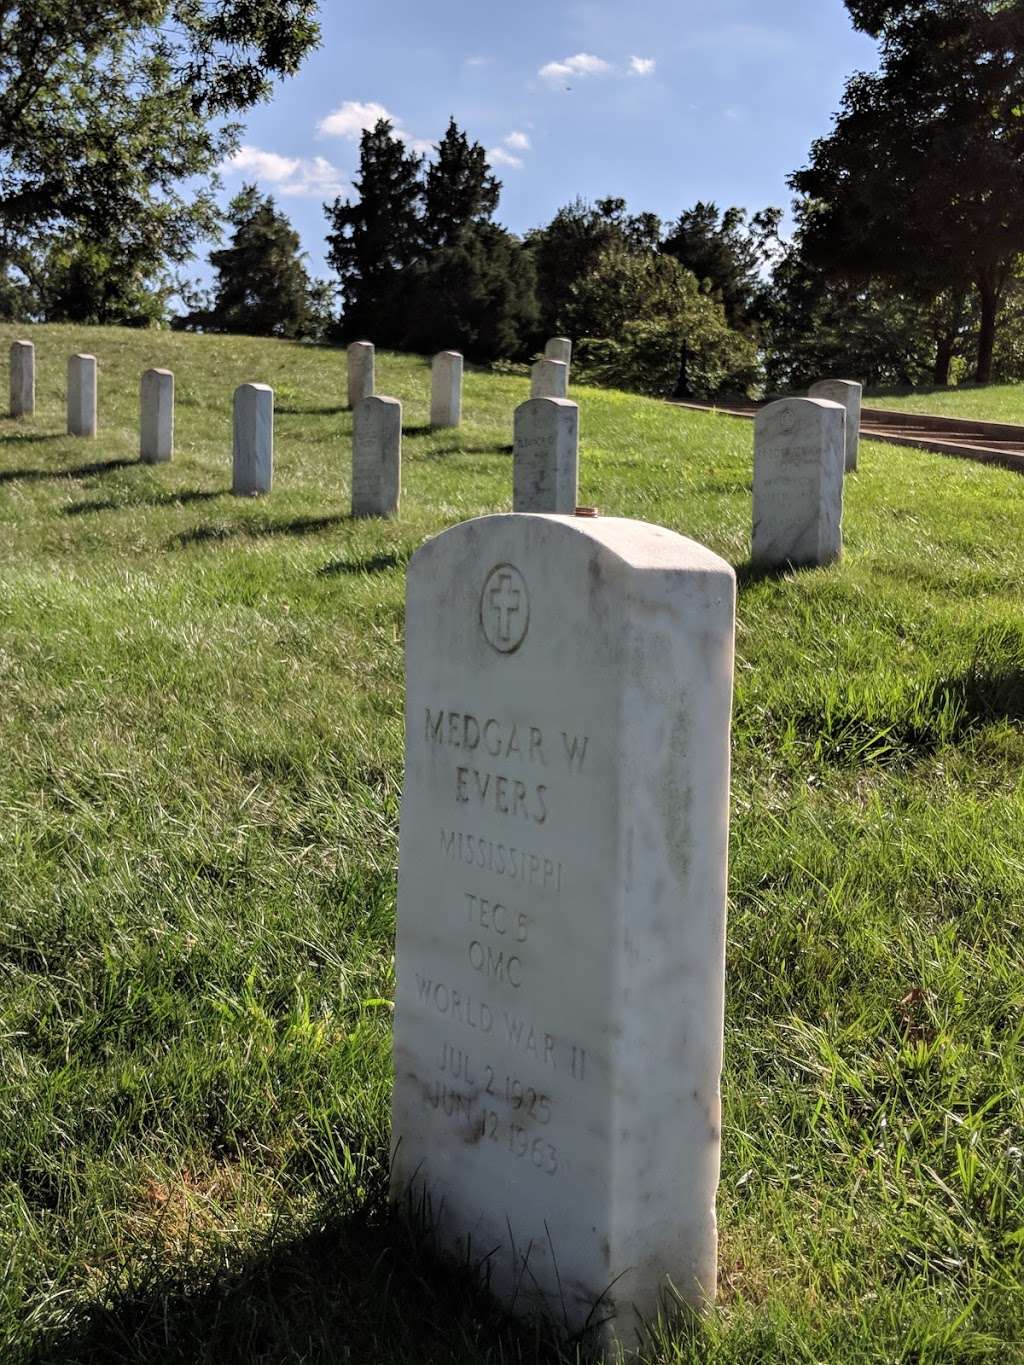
point(199, 787)
point(991, 403)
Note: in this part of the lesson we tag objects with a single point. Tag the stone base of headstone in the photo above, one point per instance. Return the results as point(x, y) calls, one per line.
point(156, 417)
point(561, 912)
point(82, 395)
point(799, 458)
point(848, 394)
point(376, 457)
point(23, 379)
point(446, 389)
point(253, 462)
point(545, 455)
point(549, 379)
point(361, 378)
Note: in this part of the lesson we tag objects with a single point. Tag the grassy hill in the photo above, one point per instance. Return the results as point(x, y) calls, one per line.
point(199, 785)
point(990, 403)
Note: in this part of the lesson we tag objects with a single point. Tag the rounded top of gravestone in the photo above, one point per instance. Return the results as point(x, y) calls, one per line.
point(638, 544)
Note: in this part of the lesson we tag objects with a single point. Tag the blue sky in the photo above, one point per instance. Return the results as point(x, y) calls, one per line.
point(662, 102)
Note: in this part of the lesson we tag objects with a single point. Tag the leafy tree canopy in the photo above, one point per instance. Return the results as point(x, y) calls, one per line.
point(107, 106)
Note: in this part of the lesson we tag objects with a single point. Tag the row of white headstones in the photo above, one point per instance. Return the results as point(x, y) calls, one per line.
point(802, 447)
point(562, 886)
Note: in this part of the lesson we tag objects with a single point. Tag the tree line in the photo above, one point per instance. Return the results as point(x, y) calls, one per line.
point(905, 267)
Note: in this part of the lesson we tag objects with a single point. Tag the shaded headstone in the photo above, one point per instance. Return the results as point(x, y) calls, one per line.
point(799, 457)
point(545, 456)
point(360, 372)
point(561, 910)
point(253, 464)
point(847, 393)
point(82, 395)
point(549, 379)
point(559, 348)
point(23, 379)
point(376, 457)
point(446, 389)
point(156, 416)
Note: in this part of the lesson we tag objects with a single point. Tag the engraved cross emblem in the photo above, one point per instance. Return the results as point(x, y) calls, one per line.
point(505, 600)
point(504, 608)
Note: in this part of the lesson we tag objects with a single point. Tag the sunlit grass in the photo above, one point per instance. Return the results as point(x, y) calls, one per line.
point(200, 776)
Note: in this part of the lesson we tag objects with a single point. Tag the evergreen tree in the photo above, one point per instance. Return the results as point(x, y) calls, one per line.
point(459, 191)
point(575, 240)
point(720, 248)
point(375, 239)
point(476, 295)
point(262, 288)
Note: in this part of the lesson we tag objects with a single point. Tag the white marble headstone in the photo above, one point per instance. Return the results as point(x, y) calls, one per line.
point(847, 393)
point(545, 455)
point(561, 913)
point(81, 395)
point(156, 416)
point(253, 466)
point(446, 389)
point(559, 348)
point(799, 459)
point(549, 379)
point(376, 457)
point(361, 380)
point(23, 379)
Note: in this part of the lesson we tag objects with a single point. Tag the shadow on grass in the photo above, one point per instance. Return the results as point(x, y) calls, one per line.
point(748, 575)
point(293, 410)
point(354, 1286)
point(492, 449)
point(29, 438)
point(909, 721)
point(424, 429)
point(77, 509)
point(375, 564)
point(300, 526)
point(81, 471)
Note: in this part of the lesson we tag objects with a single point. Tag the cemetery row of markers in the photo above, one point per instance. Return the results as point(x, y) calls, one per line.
point(559, 1010)
point(802, 447)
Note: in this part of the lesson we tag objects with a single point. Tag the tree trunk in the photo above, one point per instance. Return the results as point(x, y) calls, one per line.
point(987, 334)
point(943, 361)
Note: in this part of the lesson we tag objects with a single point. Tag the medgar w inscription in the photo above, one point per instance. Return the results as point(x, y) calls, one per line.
point(545, 926)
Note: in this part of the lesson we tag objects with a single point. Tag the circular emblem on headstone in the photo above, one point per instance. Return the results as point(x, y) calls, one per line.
point(504, 608)
point(786, 420)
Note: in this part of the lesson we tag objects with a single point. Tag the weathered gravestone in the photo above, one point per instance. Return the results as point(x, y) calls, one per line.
point(361, 381)
point(81, 395)
point(23, 379)
point(559, 348)
point(549, 379)
point(253, 465)
point(156, 416)
point(376, 457)
point(545, 458)
point(799, 457)
point(561, 920)
point(446, 389)
point(847, 393)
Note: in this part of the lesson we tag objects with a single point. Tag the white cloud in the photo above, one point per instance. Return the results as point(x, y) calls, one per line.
point(497, 156)
point(583, 64)
point(291, 175)
point(518, 141)
point(477, 61)
point(263, 165)
point(353, 118)
point(641, 66)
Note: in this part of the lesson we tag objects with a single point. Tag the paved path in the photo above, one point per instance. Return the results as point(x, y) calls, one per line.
point(999, 443)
